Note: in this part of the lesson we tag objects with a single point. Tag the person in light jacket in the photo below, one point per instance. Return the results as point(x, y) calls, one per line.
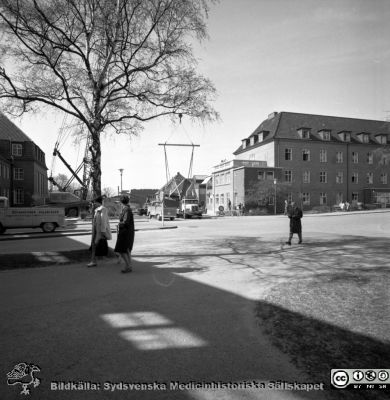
point(100, 227)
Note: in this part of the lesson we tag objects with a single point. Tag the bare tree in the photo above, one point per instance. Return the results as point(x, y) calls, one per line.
point(108, 191)
point(61, 181)
point(112, 64)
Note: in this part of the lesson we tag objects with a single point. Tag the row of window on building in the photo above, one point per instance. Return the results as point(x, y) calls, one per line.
point(339, 156)
point(325, 134)
point(323, 177)
point(306, 197)
point(17, 150)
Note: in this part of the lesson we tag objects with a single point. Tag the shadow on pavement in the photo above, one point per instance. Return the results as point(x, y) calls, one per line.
point(149, 327)
point(157, 326)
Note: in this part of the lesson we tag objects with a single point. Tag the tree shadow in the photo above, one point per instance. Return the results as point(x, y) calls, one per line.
point(160, 325)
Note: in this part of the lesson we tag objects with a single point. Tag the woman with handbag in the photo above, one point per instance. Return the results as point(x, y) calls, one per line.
point(125, 239)
point(101, 231)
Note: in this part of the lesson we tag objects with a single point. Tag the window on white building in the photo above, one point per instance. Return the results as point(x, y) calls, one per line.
point(382, 139)
point(355, 177)
point(288, 154)
point(305, 155)
point(304, 133)
point(370, 157)
point(370, 178)
point(323, 199)
point(339, 157)
point(323, 177)
point(325, 135)
point(339, 177)
point(339, 197)
point(355, 157)
point(288, 176)
point(323, 156)
point(306, 176)
point(306, 199)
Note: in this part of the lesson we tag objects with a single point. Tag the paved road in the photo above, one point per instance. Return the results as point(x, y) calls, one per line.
point(186, 314)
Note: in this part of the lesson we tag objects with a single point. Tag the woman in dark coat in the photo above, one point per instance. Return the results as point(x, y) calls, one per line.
point(125, 239)
point(295, 215)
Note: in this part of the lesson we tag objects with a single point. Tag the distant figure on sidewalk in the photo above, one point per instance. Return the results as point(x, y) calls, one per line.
point(347, 206)
point(285, 207)
point(125, 239)
point(295, 214)
point(240, 209)
point(341, 205)
point(100, 227)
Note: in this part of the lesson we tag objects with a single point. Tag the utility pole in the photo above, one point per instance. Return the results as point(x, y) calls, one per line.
point(121, 172)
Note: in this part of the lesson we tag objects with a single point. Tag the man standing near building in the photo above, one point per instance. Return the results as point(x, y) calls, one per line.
point(295, 214)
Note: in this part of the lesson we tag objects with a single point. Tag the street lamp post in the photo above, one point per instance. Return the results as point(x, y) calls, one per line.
point(121, 172)
point(275, 181)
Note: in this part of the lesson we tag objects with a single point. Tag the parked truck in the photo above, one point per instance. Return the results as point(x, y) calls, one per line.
point(156, 209)
point(46, 218)
point(189, 208)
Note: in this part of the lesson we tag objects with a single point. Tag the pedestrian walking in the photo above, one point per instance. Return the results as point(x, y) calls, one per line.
point(101, 231)
point(125, 239)
point(295, 214)
point(285, 207)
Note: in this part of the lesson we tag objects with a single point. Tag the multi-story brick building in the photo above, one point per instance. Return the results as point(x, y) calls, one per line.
point(322, 160)
point(23, 171)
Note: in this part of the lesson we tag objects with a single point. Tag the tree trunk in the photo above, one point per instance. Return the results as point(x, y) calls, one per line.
point(96, 155)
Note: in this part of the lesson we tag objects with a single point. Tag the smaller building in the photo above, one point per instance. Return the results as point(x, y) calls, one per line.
point(233, 182)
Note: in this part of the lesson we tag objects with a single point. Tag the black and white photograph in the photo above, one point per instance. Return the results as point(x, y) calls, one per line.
point(195, 199)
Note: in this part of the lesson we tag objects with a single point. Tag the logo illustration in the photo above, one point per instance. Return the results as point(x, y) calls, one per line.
point(370, 375)
point(383, 375)
point(358, 375)
point(340, 379)
point(23, 374)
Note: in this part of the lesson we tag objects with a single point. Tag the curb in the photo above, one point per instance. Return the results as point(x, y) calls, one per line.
point(41, 235)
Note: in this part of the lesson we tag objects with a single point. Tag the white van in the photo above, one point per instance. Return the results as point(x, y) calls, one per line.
point(46, 218)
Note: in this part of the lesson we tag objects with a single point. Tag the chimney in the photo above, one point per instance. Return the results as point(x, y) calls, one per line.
point(272, 115)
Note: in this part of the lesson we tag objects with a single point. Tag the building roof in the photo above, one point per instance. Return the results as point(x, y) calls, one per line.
point(9, 131)
point(285, 125)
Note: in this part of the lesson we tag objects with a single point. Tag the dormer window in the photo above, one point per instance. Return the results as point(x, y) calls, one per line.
point(324, 134)
point(345, 136)
point(244, 143)
point(17, 149)
point(252, 140)
point(364, 137)
point(304, 133)
point(382, 139)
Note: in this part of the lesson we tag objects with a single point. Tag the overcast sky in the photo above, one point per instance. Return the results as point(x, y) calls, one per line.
point(328, 57)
